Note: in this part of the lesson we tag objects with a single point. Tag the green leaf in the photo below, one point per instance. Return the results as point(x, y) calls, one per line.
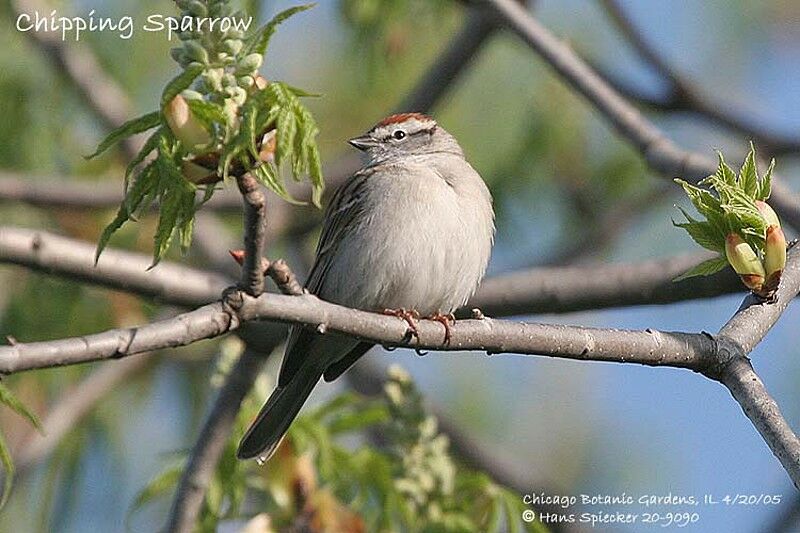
point(748, 175)
point(160, 485)
point(765, 185)
point(8, 466)
point(703, 233)
point(174, 205)
point(180, 82)
point(142, 186)
point(302, 92)
point(208, 113)
point(10, 400)
point(725, 172)
point(132, 127)
point(150, 144)
point(706, 268)
point(287, 129)
point(260, 39)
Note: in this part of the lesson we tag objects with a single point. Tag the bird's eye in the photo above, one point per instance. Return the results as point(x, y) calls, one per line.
point(399, 134)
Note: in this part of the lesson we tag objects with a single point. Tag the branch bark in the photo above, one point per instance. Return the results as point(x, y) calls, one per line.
point(538, 290)
point(255, 234)
point(722, 358)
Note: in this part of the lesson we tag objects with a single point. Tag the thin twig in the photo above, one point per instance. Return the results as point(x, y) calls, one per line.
point(255, 233)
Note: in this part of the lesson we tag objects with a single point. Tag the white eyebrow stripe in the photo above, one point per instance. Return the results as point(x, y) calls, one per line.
point(411, 127)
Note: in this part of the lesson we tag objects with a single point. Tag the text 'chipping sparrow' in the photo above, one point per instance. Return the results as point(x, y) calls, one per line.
point(412, 230)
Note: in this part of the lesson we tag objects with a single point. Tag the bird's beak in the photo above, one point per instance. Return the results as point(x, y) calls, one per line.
point(365, 142)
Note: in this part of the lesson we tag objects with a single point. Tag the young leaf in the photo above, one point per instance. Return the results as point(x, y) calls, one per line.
point(132, 127)
point(765, 186)
point(260, 39)
point(10, 400)
point(144, 183)
point(725, 172)
point(180, 82)
point(748, 176)
point(706, 268)
point(150, 144)
point(208, 113)
point(8, 466)
point(703, 233)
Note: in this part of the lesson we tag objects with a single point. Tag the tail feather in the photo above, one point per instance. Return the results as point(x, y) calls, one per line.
point(274, 419)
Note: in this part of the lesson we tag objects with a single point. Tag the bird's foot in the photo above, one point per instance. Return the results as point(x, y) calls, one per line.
point(445, 320)
point(409, 315)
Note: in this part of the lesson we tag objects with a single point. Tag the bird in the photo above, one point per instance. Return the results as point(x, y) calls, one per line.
point(409, 234)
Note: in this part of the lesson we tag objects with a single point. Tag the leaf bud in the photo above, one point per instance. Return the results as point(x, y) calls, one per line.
point(768, 213)
point(744, 261)
point(774, 257)
point(250, 62)
point(195, 51)
point(184, 125)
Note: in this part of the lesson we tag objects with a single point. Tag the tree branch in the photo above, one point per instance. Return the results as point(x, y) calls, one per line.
point(561, 289)
point(255, 234)
point(659, 152)
point(169, 283)
point(567, 289)
point(720, 358)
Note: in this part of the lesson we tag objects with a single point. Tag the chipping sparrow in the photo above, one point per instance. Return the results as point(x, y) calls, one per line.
point(412, 230)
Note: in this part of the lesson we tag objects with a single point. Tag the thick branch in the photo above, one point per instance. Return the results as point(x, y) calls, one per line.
point(531, 291)
point(169, 282)
point(597, 286)
point(653, 348)
point(659, 152)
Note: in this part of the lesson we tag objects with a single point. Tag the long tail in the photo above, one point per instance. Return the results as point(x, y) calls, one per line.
point(277, 415)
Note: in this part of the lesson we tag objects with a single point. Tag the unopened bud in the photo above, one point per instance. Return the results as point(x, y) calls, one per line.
point(261, 82)
point(774, 257)
point(250, 63)
point(768, 213)
point(268, 145)
point(744, 261)
point(238, 256)
point(184, 125)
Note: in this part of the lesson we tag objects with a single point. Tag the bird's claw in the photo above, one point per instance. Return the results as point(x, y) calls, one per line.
point(446, 321)
point(409, 315)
